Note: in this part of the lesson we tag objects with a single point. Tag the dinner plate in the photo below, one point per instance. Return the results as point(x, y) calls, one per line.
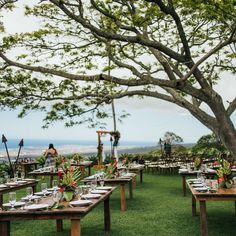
point(197, 185)
point(41, 193)
point(3, 186)
point(21, 181)
point(104, 188)
point(91, 196)
point(81, 203)
point(12, 184)
point(36, 206)
point(193, 180)
point(17, 204)
point(89, 177)
point(32, 198)
point(52, 189)
point(30, 179)
point(201, 189)
point(98, 191)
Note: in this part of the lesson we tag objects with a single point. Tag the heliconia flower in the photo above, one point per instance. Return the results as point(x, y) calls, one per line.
point(59, 174)
point(61, 190)
point(216, 163)
point(221, 179)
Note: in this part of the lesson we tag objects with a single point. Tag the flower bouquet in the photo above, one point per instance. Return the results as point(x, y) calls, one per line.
point(58, 161)
point(224, 174)
point(111, 170)
point(69, 177)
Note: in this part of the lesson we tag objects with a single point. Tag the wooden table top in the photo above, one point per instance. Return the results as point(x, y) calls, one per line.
point(220, 194)
point(75, 212)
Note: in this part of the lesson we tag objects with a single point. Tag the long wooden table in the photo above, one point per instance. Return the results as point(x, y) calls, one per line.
point(30, 183)
point(74, 214)
point(193, 174)
point(222, 194)
point(122, 182)
point(137, 169)
point(27, 165)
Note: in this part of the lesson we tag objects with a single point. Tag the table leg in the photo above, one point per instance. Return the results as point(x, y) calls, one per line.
point(89, 170)
point(184, 184)
point(51, 179)
point(122, 197)
point(141, 176)
point(134, 182)
point(203, 218)
point(59, 225)
point(193, 206)
point(34, 188)
point(75, 227)
point(107, 217)
point(235, 208)
point(5, 228)
point(131, 189)
point(1, 201)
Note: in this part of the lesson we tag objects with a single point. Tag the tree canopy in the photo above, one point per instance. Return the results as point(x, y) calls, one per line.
point(167, 49)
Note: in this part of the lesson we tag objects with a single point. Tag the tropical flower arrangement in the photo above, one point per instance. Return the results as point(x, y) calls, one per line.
point(69, 176)
point(197, 163)
point(58, 161)
point(111, 170)
point(224, 174)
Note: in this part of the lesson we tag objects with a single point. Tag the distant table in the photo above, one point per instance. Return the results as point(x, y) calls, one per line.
point(85, 164)
point(27, 165)
point(29, 183)
point(137, 169)
point(221, 195)
point(51, 174)
point(74, 214)
point(191, 174)
point(122, 182)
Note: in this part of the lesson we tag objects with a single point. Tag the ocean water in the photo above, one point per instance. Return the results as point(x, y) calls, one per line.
point(36, 147)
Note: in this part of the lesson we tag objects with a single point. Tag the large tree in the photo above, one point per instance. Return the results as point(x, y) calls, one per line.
point(174, 50)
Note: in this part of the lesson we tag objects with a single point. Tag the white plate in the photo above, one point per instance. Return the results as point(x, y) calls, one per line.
point(12, 184)
point(30, 179)
point(91, 196)
point(52, 189)
point(81, 203)
point(32, 198)
point(36, 206)
point(89, 177)
point(17, 204)
point(201, 189)
point(193, 180)
point(41, 193)
point(3, 186)
point(104, 188)
point(98, 191)
point(197, 185)
point(21, 181)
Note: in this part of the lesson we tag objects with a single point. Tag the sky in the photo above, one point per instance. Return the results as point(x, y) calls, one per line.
point(148, 121)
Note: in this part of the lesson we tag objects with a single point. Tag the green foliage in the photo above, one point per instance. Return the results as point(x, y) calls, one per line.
point(172, 137)
point(41, 160)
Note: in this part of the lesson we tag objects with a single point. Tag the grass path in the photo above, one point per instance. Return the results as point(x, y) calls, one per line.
point(158, 209)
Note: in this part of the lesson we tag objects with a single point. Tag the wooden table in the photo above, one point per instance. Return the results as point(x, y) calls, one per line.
point(51, 174)
point(29, 183)
point(85, 164)
point(74, 214)
point(122, 182)
point(221, 195)
point(137, 169)
point(193, 174)
point(26, 166)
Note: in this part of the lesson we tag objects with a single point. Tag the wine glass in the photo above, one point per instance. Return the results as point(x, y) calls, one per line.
point(101, 180)
point(29, 193)
point(54, 184)
point(56, 196)
point(44, 189)
point(22, 175)
point(79, 192)
point(12, 199)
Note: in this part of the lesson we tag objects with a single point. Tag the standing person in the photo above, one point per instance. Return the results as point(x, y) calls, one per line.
point(167, 148)
point(49, 154)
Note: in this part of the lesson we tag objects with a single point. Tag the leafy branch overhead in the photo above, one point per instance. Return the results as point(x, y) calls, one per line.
point(176, 51)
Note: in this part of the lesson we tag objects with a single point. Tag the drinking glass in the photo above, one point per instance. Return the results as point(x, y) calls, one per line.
point(29, 193)
point(12, 199)
point(101, 181)
point(22, 175)
point(44, 188)
point(54, 184)
point(78, 192)
point(93, 183)
point(56, 196)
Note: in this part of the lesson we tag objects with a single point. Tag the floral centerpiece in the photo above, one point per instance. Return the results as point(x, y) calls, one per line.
point(69, 176)
point(59, 160)
point(111, 170)
point(224, 174)
point(197, 163)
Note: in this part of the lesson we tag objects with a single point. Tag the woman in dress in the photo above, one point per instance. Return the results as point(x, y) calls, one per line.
point(49, 154)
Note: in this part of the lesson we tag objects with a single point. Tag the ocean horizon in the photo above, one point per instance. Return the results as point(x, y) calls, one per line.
point(36, 147)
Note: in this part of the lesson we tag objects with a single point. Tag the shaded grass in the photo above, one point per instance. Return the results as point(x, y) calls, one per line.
point(157, 209)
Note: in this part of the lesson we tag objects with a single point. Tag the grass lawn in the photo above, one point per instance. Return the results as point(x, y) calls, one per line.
point(158, 208)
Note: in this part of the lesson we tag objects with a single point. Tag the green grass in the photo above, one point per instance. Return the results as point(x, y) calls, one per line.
point(158, 208)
